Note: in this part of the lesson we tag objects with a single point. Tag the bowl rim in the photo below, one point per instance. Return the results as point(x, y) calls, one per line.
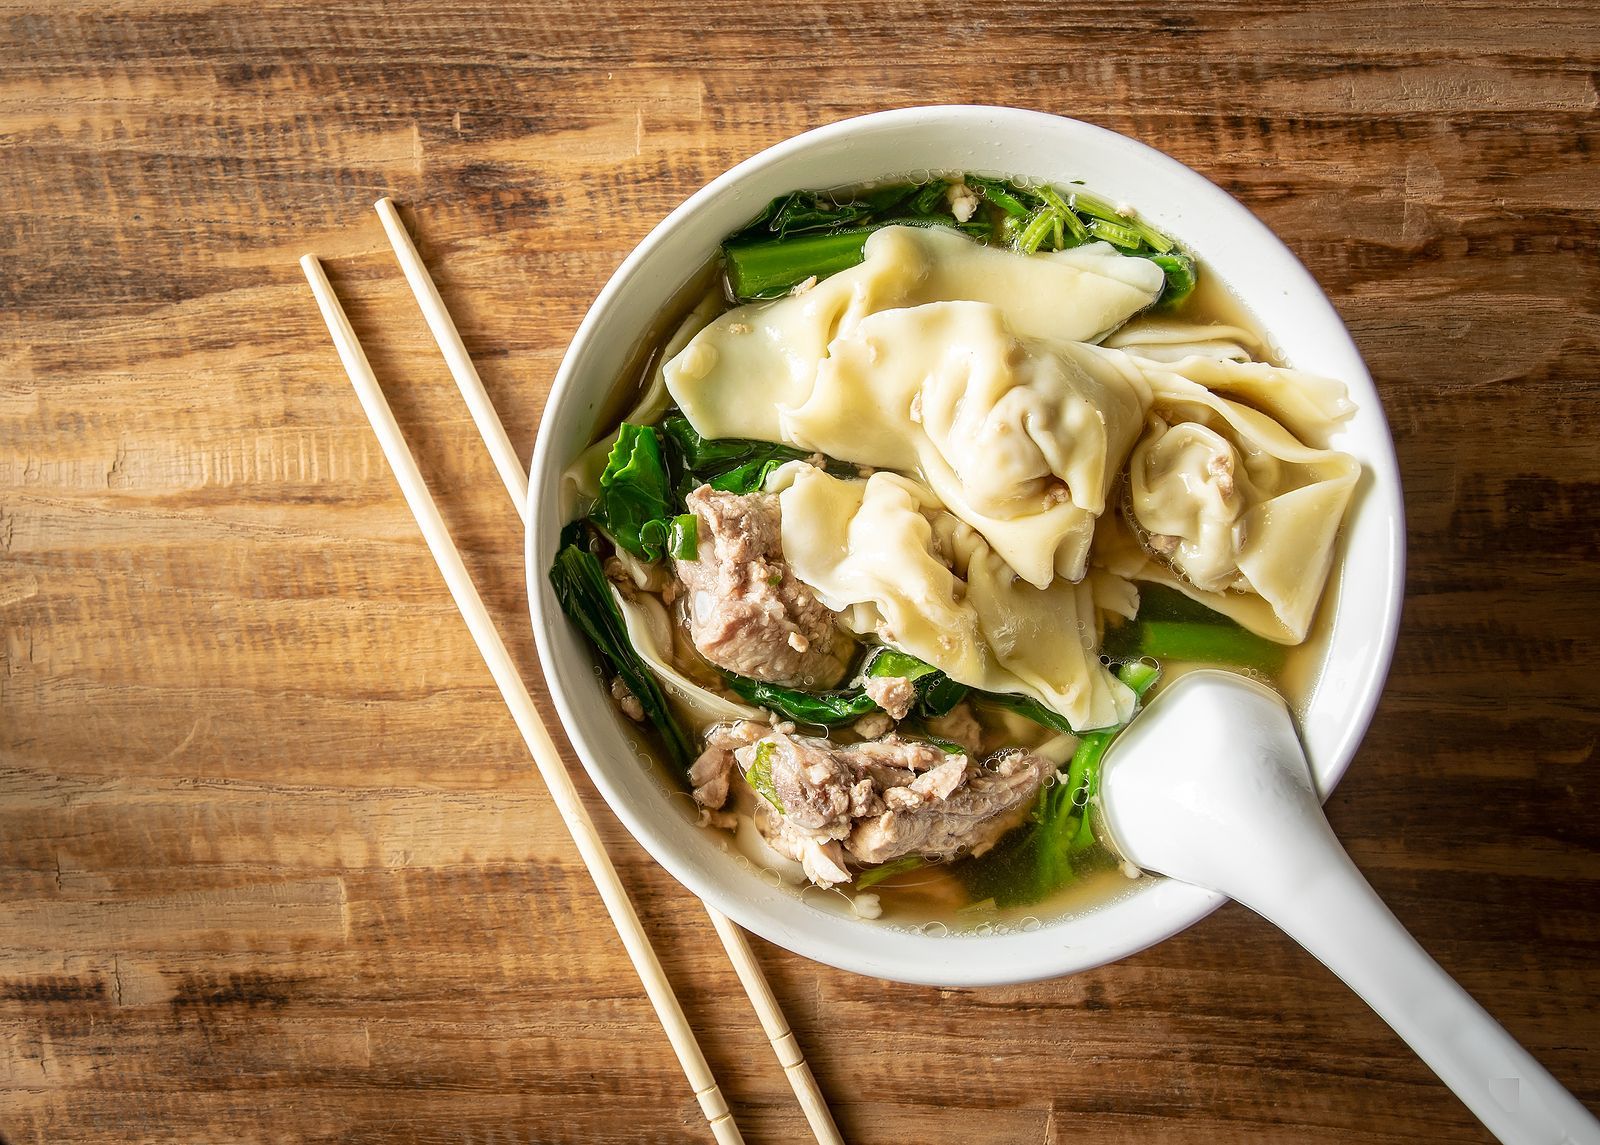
point(1170, 907)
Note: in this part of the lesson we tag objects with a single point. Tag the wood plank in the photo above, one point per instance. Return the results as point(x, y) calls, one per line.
point(272, 864)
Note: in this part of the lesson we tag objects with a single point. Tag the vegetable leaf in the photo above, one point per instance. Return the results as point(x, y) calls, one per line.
point(633, 501)
point(759, 776)
point(1029, 708)
point(826, 708)
point(584, 594)
point(732, 464)
point(1218, 641)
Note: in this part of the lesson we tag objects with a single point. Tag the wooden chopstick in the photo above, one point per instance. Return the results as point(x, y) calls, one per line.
point(516, 696)
point(515, 479)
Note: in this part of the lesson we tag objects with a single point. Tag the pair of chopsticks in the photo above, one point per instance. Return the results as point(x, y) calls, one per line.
point(515, 693)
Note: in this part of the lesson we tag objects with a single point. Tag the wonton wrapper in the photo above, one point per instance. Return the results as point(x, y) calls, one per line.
point(1165, 340)
point(886, 556)
point(1019, 437)
point(1253, 511)
point(737, 373)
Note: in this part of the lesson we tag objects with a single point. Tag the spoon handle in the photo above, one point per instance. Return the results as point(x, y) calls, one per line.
point(1331, 910)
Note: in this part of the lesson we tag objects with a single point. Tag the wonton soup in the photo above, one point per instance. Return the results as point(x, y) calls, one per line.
point(914, 507)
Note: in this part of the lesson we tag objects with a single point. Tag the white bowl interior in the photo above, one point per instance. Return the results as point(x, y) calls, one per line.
point(1232, 243)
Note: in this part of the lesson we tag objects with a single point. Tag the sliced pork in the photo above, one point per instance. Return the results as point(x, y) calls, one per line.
point(747, 612)
point(879, 800)
point(970, 818)
point(711, 771)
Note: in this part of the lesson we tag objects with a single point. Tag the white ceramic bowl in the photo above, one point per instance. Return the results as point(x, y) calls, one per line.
point(1232, 244)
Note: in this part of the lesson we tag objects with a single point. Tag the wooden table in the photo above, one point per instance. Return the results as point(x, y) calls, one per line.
point(273, 864)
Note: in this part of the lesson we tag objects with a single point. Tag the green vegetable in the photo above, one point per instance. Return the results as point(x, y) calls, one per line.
point(1073, 224)
point(759, 776)
point(809, 233)
point(1181, 276)
point(585, 596)
point(937, 694)
point(1034, 233)
point(1097, 208)
point(683, 537)
point(771, 269)
point(931, 200)
point(1216, 641)
point(801, 211)
point(826, 708)
point(733, 465)
point(633, 504)
point(875, 875)
point(1083, 772)
point(1117, 234)
point(1029, 708)
point(999, 194)
point(843, 706)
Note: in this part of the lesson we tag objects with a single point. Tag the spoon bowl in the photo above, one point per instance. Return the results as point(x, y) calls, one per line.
point(1210, 786)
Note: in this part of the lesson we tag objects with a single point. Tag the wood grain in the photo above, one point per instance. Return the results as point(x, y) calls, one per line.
point(273, 866)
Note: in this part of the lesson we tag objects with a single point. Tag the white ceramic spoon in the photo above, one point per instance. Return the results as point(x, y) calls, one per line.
point(1210, 786)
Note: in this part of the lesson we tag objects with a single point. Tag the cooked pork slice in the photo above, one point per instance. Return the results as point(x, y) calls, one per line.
point(884, 798)
point(894, 694)
point(811, 779)
point(823, 860)
point(972, 817)
point(747, 612)
point(709, 774)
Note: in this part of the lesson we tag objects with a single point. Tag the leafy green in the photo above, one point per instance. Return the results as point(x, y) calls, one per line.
point(1117, 234)
point(759, 774)
point(683, 537)
point(1008, 199)
point(1096, 208)
point(1029, 708)
point(937, 695)
point(826, 708)
point(1213, 639)
point(809, 233)
point(733, 465)
point(801, 211)
point(1182, 276)
point(634, 492)
point(585, 596)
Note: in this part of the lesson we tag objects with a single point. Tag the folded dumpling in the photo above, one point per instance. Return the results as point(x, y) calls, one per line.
point(1020, 437)
point(1160, 339)
point(1232, 509)
point(736, 374)
point(895, 565)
